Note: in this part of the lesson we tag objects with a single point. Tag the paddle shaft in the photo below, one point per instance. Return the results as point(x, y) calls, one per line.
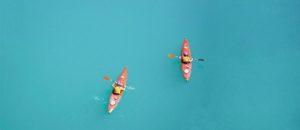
point(115, 82)
point(193, 59)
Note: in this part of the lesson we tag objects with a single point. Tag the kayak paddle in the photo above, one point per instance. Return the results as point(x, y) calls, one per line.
point(109, 79)
point(171, 56)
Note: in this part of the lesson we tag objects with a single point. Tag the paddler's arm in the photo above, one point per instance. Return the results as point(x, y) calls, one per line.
point(113, 85)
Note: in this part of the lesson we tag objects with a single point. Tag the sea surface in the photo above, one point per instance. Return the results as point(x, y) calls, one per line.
point(54, 54)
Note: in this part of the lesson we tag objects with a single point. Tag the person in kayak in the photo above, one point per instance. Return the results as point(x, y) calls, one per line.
point(118, 89)
point(186, 59)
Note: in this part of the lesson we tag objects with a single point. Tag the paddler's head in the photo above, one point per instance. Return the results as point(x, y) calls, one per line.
point(118, 84)
point(185, 54)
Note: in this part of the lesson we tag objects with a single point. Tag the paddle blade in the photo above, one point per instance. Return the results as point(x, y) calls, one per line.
point(171, 56)
point(201, 60)
point(106, 78)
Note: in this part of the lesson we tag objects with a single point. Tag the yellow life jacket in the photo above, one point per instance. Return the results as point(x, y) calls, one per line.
point(186, 59)
point(117, 90)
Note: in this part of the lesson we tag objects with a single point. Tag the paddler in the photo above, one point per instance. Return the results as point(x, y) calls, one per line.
point(118, 89)
point(186, 59)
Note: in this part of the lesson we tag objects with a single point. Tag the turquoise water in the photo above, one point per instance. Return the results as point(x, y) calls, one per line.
point(54, 53)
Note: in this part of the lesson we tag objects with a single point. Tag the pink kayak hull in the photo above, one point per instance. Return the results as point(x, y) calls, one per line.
point(115, 99)
point(186, 68)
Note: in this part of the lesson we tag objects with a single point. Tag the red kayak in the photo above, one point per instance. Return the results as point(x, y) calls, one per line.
point(186, 67)
point(114, 98)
